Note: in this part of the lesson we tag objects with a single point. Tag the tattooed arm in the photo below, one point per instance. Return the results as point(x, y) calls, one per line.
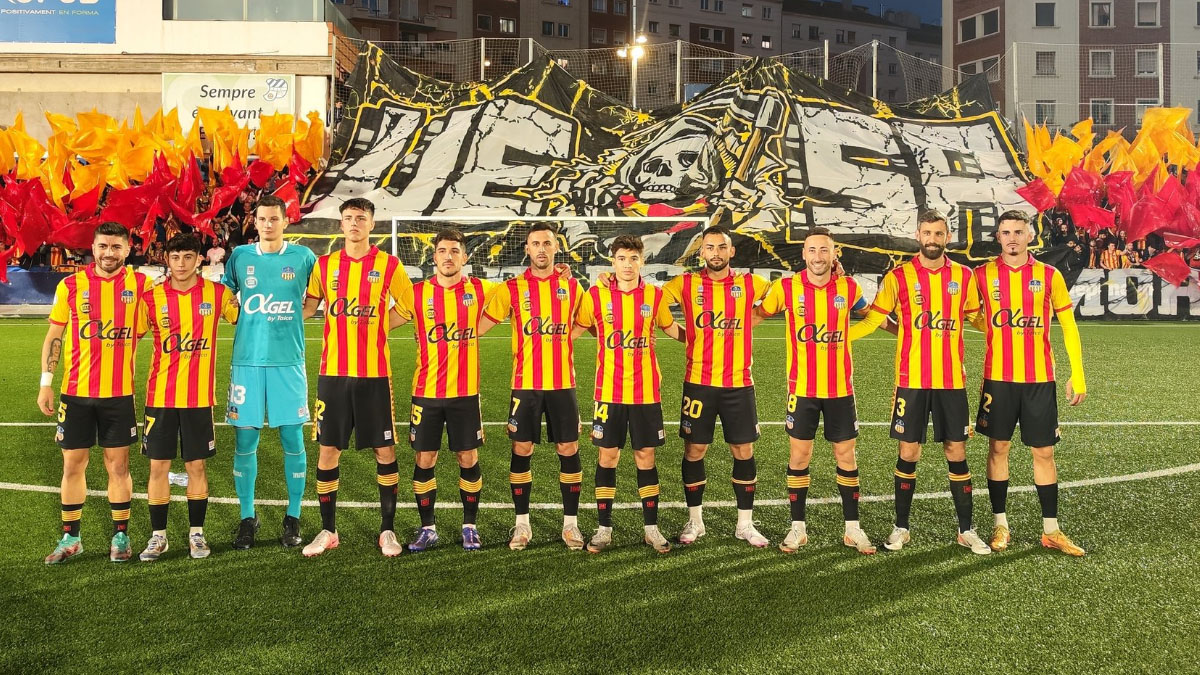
point(51, 352)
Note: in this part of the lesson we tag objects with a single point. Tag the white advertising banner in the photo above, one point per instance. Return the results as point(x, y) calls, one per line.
point(248, 97)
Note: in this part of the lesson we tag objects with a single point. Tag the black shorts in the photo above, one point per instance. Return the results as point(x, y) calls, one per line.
point(190, 430)
point(803, 413)
point(911, 409)
point(84, 422)
point(459, 416)
point(359, 404)
point(702, 404)
point(1034, 405)
point(558, 406)
point(642, 423)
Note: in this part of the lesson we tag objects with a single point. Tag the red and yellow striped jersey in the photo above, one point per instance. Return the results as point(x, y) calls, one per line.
point(626, 365)
point(1017, 305)
point(543, 314)
point(931, 306)
point(357, 294)
point(446, 327)
point(100, 319)
point(716, 319)
point(183, 325)
point(818, 325)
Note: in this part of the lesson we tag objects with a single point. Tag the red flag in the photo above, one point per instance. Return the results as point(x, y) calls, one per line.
point(76, 234)
point(1172, 195)
point(1149, 215)
point(1176, 241)
point(85, 204)
point(260, 172)
point(34, 225)
point(5, 256)
point(287, 192)
point(1037, 194)
point(1090, 218)
point(1169, 266)
point(298, 169)
point(1081, 186)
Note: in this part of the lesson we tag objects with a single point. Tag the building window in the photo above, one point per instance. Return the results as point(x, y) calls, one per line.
point(712, 34)
point(370, 33)
point(672, 3)
point(1147, 62)
point(814, 33)
point(766, 11)
point(1147, 13)
point(599, 36)
point(1043, 113)
point(748, 11)
point(483, 22)
point(1198, 13)
point(652, 26)
point(1144, 104)
point(673, 29)
point(1043, 64)
point(840, 36)
point(1100, 63)
point(796, 31)
point(618, 37)
point(1043, 14)
point(892, 41)
point(991, 22)
point(966, 29)
point(966, 70)
point(1102, 111)
point(508, 26)
point(719, 5)
point(1100, 14)
point(1197, 64)
point(443, 11)
point(704, 4)
point(599, 5)
point(547, 28)
point(564, 30)
point(892, 68)
point(620, 7)
point(765, 43)
point(991, 67)
point(746, 38)
point(980, 25)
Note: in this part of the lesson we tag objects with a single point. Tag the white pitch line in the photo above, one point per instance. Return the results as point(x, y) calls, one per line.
point(1107, 480)
point(768, 423)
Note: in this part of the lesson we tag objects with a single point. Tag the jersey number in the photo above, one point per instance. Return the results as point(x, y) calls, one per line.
point(899, 407)
point(415, 418)
point(987, 402)
point(149, 425)
point(62, 412)
point(792, 399)
point(237, 394)
point(516, 404)
point(601, 412)
point(318, 416)
point(692, 407)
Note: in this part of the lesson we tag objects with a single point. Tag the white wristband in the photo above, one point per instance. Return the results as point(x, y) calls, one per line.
point(47, 379)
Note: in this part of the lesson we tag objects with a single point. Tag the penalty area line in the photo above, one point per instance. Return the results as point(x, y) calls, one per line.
point(544, 506)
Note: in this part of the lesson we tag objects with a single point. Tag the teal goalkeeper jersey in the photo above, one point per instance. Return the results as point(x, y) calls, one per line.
point(270, 288)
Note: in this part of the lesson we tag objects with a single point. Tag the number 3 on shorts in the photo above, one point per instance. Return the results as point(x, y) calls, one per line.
point(237, 394)
point(416, 415)
point(899, 407)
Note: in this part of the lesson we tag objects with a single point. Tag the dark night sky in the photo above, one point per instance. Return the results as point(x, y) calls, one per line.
point(929, 10)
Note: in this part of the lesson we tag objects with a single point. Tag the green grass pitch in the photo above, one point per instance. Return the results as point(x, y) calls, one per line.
point(717, 606)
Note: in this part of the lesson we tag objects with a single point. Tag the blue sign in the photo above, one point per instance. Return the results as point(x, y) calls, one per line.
point(63, 21)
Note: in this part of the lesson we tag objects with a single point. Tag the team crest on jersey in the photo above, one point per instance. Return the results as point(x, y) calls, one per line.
point(736, 291)
point(374, 277)
point(645, 310)
point(699, 296)
point(996, 296)
point(917, 297)
point(86, 294)
point(164, 310)
point(288, 274)
point(165, 322)
point(232, 413)
point(597, 431)
point(468, 299)
point(58, 434)
point(561, 294)
point(789, 421)
point(899, 426)
point(86, 307)
point(127, 296)
point(686, 426)
point(251, 282)
point(839, 302)
point(952, 288)
point(206, 309)
point(249, 269)
point(1035, 285)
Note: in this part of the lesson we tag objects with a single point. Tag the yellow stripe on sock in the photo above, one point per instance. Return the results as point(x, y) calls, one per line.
point(526, 477)
point(960, 476)
point(324, 487)
point(901, 474)
point(158, 501)
point(121, 515)
point(72, 515)
point(696, 484)
point(648, 491)
point(470, 486)
point(387, 479)
point(570, 478)
point(428, 486)
point(751, 481)
point(201, 496)
point(848, 481)
point(606, 493)
point(796, 482)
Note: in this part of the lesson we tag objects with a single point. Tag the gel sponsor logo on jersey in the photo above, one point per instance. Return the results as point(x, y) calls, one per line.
point(537, 326)
point(1008, 318)
point(350, 307)
point(104, 330)
point(623, 340)
point(933, 321)
point(818, 333)
point(449, 332)
point(717, 321)
point(258, 303)
point(177, 343)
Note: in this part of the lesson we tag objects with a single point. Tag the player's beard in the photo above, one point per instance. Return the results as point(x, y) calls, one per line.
point(716, 265)
point(819, 269)
point(543, 266)
point(932, 251)
point(109, 265)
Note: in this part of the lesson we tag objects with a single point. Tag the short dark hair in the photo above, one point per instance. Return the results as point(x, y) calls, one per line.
point(358, 203)
point(269, 201)
point(449, 234)
point(542, 226)
point(930, 216)
point(627, 242)
point(819, 232)
point(111, 229)
point(1015, 214)
point(184, 241)
point(716, 229)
